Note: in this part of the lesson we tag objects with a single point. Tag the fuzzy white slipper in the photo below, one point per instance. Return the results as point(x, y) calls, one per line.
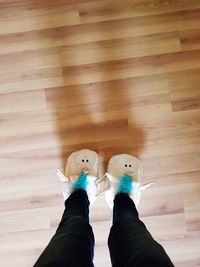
point(124, 174)
point(81, 173)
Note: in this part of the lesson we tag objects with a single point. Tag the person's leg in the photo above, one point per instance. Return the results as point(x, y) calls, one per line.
point(130, 243)
point(73, 242)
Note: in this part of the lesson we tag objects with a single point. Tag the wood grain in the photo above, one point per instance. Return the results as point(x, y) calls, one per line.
point(113, 76)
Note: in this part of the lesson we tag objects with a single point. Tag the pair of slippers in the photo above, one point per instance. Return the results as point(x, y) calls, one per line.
point(123, 175)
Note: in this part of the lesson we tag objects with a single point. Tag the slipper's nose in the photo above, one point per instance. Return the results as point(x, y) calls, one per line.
point(128, 173)
point(85, 169)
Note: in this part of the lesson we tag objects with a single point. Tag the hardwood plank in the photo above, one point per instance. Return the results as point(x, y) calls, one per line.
point(28, 239)
point(22, 221)
point(192, 207)
point(96, 99)
point(22, 101)
point(168, 201)
point(37, 3)
point(190, 40)
point(139, 26)
point(119, 49)
point(30, 19)
point(31, 80)
point(28, 61)
point(185, 93)
point(158, 157)
point(186, 254)
point(85, 33)
point(20, 257)
point(113, 10)
point(132, 67)
point(82, 135)
point(164, 225)
point(185, 99)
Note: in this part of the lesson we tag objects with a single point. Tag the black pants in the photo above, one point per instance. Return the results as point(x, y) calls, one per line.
point(130, 244)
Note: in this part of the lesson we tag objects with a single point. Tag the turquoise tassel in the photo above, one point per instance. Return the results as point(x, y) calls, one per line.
point(125, 185)
point(81, 182)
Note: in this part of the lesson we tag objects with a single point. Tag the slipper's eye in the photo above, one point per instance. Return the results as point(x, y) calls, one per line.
point(83, 160)
point(129, 165)
point(87, 160)
point(126, 165)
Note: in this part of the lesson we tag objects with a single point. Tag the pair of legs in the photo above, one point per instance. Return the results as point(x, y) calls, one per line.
point(130, 244)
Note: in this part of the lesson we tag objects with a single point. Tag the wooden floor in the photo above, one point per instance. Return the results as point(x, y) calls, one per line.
point(107, 76)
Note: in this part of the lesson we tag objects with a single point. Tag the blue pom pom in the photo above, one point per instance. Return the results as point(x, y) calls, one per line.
point(81, 182)
point(125, 185)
